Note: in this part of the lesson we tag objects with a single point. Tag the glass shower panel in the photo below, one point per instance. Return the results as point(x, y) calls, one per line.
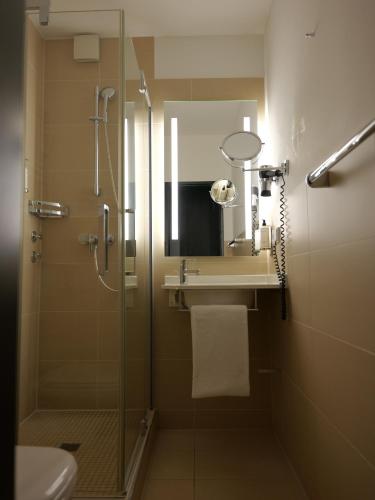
point(137, 268)
point(72, 334)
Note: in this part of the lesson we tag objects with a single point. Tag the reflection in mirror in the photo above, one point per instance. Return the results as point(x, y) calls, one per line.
point(194, 224)
point(241, 146)
point(223, 192)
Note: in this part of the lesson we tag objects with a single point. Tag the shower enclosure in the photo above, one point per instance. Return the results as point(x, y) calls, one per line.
point(85, 308)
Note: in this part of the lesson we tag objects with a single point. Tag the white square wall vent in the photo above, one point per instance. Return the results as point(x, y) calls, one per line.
point(87, 48)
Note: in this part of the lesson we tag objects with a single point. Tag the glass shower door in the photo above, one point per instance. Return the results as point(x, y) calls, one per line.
point(137, 266)
point(73, 293)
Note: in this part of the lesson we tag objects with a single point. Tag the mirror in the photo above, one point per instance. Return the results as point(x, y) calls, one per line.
point(208, 204)
point(240, 147)
point(223, 192)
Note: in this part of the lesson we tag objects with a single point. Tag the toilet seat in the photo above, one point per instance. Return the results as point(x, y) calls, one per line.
point(44, 473)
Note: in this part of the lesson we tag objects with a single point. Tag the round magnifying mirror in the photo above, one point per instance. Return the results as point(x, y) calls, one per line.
point(223, 192)
point(241, 146)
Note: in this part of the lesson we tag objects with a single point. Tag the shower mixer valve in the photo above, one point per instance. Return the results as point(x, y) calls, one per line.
point(92, 240)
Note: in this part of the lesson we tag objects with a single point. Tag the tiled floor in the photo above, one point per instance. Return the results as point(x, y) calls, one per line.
point(219, 465)
point(96, 432)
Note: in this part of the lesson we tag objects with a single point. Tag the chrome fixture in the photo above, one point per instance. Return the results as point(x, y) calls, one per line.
point(143, 89)
point(321, 173)
point(35, 236)
point(183, 307)
point(254, 217)
point(99, 245)
point(106, 94)
point(240, 147)
point(235, 241)
point(42, 6)
point(88, 239)
point(269, 174)
point(36, 257)
point(47, 209)
point(184, 271)
point(96, 119)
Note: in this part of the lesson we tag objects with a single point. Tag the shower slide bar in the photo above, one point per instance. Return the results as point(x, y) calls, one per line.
point(319, 177)
point(96, 119)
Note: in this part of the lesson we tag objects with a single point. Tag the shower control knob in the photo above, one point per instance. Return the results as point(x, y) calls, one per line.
point(36, 257)
point(35, 236)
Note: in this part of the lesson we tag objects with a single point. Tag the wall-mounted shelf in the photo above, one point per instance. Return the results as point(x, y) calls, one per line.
point(47, 209)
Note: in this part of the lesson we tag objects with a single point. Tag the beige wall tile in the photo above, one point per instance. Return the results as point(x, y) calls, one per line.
point(68, 147)
point(68, 287)
point(71, 398)
point(172, 379)
point(321, 447)
point(298, 273)
point(68, 335)
point(60, 64)
point(69, 102)
point(349, 374)
point(342, 294)
point(109, 347)
point(298, 224)
point(109, 66)
point(144, 50)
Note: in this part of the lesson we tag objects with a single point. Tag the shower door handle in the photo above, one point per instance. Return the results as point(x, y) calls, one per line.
point(104, 239)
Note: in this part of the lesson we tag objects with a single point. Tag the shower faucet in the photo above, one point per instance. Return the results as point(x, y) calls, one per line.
point(184, 271)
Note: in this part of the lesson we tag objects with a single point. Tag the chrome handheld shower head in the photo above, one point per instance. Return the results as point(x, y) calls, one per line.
point(106, 94)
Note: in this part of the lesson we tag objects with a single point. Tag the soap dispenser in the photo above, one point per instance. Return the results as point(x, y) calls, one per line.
point(265, 236)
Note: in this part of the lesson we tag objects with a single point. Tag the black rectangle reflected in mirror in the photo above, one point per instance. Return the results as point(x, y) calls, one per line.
point(200, 221)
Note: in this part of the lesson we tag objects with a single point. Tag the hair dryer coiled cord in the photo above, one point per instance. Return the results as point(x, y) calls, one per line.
point(280, 266)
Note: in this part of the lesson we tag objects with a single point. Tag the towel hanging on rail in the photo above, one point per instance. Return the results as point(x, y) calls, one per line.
point(220, 351)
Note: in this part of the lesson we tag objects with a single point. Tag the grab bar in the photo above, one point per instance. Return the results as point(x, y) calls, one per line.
point(323, 169)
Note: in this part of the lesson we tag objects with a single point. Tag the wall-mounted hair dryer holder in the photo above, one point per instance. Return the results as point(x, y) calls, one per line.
point(269, 174)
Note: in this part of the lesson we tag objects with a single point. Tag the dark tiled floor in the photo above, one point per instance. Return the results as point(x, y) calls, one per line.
point(218, 465)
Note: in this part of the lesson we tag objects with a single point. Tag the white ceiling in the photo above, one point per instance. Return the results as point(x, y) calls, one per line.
point(182, 17)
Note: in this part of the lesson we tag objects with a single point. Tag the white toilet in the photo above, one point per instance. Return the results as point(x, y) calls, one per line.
point(44, 473)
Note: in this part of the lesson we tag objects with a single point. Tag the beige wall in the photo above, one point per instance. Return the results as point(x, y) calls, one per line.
point(320, 91)
point(79, 320)
point(33, 112)
point(172, 376)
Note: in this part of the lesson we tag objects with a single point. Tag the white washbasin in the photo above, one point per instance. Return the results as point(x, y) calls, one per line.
point(222, 281)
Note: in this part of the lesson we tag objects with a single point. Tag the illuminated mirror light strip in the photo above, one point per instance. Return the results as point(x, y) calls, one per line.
point(247, 182)
point(126, 180)
point(174, 177)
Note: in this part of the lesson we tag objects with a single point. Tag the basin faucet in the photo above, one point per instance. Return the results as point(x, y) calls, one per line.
point(184, 271)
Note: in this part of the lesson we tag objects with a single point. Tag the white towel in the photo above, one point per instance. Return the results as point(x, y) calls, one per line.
point(220, 351)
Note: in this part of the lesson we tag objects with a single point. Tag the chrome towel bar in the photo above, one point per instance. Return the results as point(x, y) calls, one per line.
point(320, 173)
point(182, 307)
